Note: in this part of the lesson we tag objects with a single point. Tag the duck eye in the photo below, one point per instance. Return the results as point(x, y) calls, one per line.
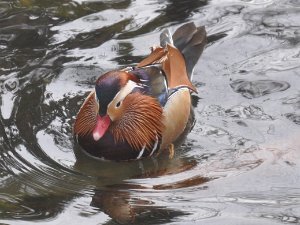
point(118, 104)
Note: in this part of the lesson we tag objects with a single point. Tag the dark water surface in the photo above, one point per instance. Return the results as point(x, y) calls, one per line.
point(239, 165)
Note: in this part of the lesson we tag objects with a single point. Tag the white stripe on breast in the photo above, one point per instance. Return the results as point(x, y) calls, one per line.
point(155, 146)
point(141, 152)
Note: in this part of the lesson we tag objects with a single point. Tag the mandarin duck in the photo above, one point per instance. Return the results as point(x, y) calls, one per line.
point(139, 111)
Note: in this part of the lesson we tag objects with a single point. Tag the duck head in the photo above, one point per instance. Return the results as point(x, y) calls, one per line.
point(120, 106)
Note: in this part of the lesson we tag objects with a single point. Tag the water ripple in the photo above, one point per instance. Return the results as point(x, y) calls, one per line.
point(248, 111)
point(255, 89)
point(11, 207)
point(293, 117)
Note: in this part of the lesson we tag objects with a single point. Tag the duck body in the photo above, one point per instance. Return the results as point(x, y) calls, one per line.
point(139, 111)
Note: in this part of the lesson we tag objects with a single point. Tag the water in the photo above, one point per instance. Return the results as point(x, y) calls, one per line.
point(239, 165)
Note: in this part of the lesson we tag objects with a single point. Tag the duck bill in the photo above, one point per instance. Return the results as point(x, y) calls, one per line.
point(101, 127)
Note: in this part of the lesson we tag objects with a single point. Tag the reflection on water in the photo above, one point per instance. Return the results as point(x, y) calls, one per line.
point(238, 165)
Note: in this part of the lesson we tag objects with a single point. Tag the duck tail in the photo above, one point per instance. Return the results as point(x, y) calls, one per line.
point(190, 41)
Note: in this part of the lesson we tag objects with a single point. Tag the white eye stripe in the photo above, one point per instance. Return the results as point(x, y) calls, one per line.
point(126, 90)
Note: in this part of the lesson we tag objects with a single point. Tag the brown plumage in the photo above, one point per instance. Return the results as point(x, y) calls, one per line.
point(141, 123)
point(86, 117)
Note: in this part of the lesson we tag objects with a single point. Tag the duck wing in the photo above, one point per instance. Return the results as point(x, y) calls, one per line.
point(153, 80)
point(178, 54)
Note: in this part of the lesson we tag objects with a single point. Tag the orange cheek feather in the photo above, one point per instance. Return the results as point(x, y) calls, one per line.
point(101, 127)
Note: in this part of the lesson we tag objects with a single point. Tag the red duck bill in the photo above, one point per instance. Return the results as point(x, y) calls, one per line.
point(102, 125)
